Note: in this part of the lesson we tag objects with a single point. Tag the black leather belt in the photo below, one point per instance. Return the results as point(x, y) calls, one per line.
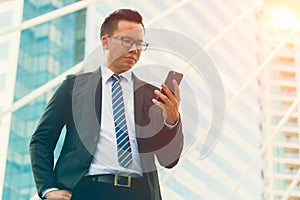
point(118, 180)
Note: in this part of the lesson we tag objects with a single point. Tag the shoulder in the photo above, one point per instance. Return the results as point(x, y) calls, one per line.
point(97, 72)
point(71, 78)
point(140, 84)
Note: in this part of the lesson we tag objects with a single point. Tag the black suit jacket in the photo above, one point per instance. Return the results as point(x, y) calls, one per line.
point(76, 104)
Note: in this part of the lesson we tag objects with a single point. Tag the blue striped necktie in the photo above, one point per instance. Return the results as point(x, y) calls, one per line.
point(123, 143)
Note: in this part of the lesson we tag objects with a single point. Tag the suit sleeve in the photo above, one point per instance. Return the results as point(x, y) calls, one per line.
point(169, 144)
point(46, 135)
point(154, 136)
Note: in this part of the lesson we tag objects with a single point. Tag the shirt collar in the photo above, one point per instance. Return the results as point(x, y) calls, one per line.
point(107, 73)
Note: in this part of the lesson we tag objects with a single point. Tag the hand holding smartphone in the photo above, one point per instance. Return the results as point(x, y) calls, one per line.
point(171, 76)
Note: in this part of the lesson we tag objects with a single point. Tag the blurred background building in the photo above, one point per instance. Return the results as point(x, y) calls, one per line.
point(10, 16)
point(43, 40)
point(280, 83)
point(42, 53)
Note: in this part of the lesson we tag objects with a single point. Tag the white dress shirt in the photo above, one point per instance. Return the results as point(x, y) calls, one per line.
point(105, 160)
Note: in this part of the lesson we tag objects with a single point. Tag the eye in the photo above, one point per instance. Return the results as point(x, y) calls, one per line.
point(127, 40)
point(139, 45)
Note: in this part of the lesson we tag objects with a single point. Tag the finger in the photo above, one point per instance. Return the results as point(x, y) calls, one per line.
point(67, 194)
point(161, 96)
point(171, 97)
point(158, 103)
point(176, 89)
point(168, 93)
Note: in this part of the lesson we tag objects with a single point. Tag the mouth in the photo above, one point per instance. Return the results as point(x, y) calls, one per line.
point(131, 58)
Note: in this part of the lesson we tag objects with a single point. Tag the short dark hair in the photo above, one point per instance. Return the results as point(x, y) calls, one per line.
point(111, 21)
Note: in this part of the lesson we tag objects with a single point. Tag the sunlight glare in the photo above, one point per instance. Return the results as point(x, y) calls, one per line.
point(281, 17)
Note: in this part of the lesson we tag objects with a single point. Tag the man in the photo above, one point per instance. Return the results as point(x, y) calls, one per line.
point(114, 125)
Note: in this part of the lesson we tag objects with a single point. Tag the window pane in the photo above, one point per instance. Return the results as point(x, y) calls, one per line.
point(5, 19)
point(4, 49)
point(2, 82)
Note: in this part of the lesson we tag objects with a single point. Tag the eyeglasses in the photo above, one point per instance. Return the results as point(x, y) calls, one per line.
point(128, 42)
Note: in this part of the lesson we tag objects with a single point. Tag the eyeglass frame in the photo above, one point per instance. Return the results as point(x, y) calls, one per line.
point(137, 43)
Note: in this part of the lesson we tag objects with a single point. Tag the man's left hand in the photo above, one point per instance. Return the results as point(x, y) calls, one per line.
point(171, 103)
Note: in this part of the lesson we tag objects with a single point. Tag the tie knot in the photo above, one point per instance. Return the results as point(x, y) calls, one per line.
point(116, 77)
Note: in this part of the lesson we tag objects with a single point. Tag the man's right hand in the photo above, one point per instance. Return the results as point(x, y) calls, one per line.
point(58, 195)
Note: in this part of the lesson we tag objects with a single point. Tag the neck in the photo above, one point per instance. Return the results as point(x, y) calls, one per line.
point(114, 69)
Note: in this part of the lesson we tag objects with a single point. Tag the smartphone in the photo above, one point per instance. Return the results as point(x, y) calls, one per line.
point(171, 76)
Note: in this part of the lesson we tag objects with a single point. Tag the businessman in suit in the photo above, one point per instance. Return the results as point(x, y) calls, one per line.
point(115, 125)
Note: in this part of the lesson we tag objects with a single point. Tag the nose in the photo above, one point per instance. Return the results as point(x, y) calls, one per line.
point(133, 48)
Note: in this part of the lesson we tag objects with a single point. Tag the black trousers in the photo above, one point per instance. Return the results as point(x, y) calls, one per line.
point(93, 190)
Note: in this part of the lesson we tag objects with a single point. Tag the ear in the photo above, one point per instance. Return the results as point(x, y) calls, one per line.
point(104, 40)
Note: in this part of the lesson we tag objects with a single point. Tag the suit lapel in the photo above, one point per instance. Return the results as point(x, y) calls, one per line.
point(86, 108)
point(98, 98)
point(147, 159)
point(138, 100)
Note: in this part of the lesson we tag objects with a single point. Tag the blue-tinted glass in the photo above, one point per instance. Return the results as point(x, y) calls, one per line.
point(42, 57)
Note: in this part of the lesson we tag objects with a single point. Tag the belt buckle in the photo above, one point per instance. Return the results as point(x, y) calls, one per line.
point(119, 183)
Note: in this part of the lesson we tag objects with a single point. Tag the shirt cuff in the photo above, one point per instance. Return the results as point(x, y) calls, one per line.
point(48, 190)
point(170, 126)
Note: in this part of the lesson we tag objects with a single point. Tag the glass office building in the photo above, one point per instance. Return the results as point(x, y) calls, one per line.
point(48, 49)
point(45, 51)
point(10, 16)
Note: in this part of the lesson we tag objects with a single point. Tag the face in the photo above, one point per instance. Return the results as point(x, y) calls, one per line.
point(120, 58)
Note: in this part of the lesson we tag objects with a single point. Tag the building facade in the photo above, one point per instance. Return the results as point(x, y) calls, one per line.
point(10, 16)
point(45, 51)
point(280, 83)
